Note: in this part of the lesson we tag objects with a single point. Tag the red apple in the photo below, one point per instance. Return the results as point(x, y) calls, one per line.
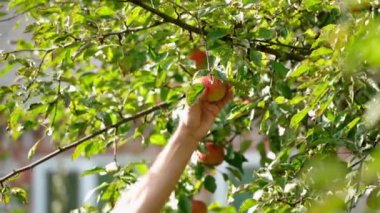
point(215, 89)
point(198, 206)
point(199, 57)
point(214, 155)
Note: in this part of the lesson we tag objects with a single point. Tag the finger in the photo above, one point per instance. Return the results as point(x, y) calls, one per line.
point(212, 109)
point(203, 96)
point(226, 98)
point(193, 111)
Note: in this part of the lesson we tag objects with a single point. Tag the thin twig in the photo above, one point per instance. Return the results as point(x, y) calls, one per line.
point(165, 17)
point(82, 140)
point(280, 44)
point(182, 7)
point(40, 67)
point(26, 50)
point(357, 188)
point(129, 30)
point(115, 150)
point(19, 14)
point(186, 71)
point(292, 204)
point(132, 30)
point(359, 161)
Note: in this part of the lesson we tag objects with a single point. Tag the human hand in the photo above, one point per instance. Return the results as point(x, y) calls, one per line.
point(197, 119)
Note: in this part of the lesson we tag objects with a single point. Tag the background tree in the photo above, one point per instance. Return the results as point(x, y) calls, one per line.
point(307, 70)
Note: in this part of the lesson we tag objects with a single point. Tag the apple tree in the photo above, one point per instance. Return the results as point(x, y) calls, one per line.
point(306, 71)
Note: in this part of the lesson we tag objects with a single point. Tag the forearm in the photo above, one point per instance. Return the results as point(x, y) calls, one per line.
point(153, 191)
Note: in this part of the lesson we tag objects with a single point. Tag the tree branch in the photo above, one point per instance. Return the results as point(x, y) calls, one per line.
point(280, 44)
point(26, 50)
point(47, 51)
point(19, 14)
point(39, 68)
point(80, 141)
point(201, 31)
point(279, 54)
point(132, 30)
point(166, 18)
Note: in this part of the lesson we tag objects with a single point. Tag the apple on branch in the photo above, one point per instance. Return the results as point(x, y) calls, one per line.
point(199, 57)
point(214, 155)
point(198, 206)
point(215, 89)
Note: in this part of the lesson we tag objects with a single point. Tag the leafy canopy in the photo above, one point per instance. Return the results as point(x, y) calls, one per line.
point(306, 70)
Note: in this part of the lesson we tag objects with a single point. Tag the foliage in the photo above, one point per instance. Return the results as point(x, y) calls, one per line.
point(307, 70)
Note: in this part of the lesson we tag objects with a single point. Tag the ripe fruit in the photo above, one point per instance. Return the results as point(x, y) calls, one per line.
point(199, 57)
point(214, 155)
point(198, 206)
point(215, 89)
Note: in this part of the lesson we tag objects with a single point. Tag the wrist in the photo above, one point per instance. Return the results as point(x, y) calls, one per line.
point(185, 132)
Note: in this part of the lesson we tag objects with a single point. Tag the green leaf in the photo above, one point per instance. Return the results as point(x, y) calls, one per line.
point(323, 51)
point(299, 70)
point(20, 194)
point(245, 145)
point(105, 12)
point(210, 183)
point(247, 204)
point(6, 69)
point(280, 100)
point(2, 107)
point(14, 123)
point(199, 171)
point(194, 92)
point(235, 159)
point(93, 171)
point(323, 106)
point(297, 99)
point(297, 118)
point(34, 106)
point(15, 3)
point(157, 139)
point(32, 151)
point(141, 168)
point(79, 150)
point(256, 57)
point(351, 125)
point(235, 172)
point(238, 111)
point(106, 118)
point(279, 69)
point(216, 207)
point(216, 34)
point(319, 91)
point(184, 203)
point(161, 77)
point(310, 4)
point(265, 33)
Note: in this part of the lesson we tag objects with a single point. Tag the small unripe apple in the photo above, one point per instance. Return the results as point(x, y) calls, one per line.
point(199, 57)
point(198, 206)
point(215, 89)
point(214, 155)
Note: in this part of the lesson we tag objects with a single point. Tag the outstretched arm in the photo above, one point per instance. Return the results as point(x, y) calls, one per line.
point(153, 190)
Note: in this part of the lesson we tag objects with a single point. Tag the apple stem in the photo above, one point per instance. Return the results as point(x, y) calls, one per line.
point(204, 41)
